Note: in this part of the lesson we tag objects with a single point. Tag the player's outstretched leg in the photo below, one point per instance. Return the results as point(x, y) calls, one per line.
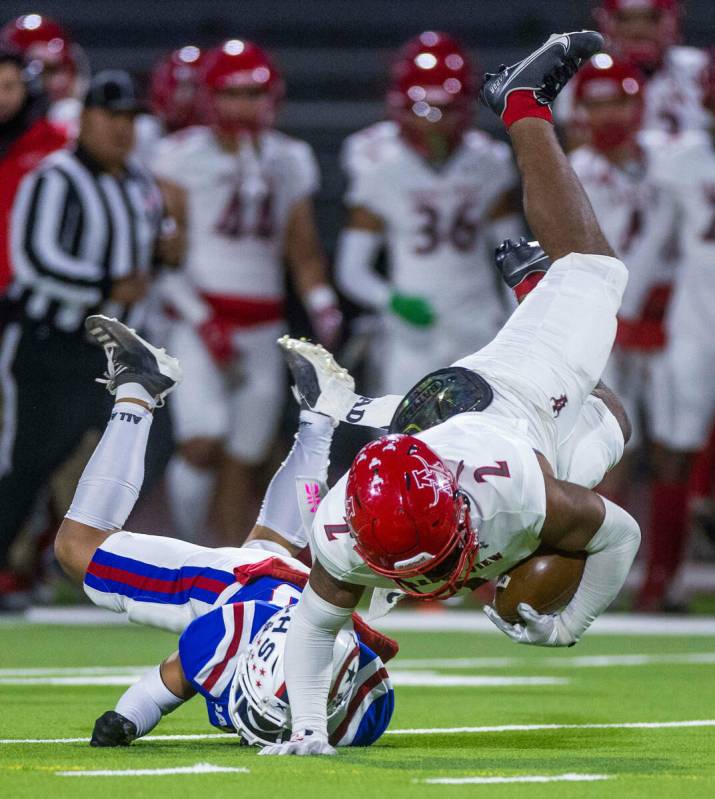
point(556, 206)
point(139, 376)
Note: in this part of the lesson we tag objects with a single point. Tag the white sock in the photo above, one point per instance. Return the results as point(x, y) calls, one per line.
point(112, 479)
point(190, 492)
point(308, 458)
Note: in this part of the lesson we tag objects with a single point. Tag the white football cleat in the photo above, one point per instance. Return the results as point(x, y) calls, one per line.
point(130, 359)
point(320, 384)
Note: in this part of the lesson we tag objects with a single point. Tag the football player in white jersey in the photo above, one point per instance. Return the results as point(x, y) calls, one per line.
point(435, 193)
point(638, 216)
point(434, 511)
point(248, 194)
point(646, 33)
point(685, 406)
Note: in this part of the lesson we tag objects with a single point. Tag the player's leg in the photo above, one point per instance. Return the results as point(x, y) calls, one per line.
point(558, 340)
point(255, 406)
point(681, 425)
point(200, 417)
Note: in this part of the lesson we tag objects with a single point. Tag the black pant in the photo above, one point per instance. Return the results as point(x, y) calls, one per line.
point(49, 403)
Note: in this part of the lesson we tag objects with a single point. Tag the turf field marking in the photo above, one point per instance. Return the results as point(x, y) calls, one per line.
point(421, 679)
point(631, 725)
point(197, 768)
point(636, 725)
point(525, 778)
point(583, 661)
point(400, 620)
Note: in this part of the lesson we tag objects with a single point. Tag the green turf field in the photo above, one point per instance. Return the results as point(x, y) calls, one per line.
point(673, 682)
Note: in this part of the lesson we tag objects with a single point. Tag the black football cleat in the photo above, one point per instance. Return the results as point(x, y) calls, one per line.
point(130, 359)
point(545, 72)
point(113, 729)
point(517, 260)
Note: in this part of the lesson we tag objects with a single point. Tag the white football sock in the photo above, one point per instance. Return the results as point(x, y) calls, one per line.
point(190, 490)
point(309, 459)
point(112, 479)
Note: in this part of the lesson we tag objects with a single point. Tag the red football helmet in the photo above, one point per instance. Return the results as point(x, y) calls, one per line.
point(240, 64)
point(50, 52)
point(603, 80)
point(409, 519)
point(641, 30)
point(431, 78)
point(173, 87)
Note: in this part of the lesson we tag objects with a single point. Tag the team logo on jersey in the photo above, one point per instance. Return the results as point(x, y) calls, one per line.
point(558, 404)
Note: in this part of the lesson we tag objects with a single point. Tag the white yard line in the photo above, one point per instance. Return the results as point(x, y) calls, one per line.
point(421, 679)
point(406, 621)
point(627, 725)
point(198, 768)
point(525, 778)
point(579, 662)
point(632, 725)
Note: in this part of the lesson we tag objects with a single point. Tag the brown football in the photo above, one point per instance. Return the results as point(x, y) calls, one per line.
point(545, 580)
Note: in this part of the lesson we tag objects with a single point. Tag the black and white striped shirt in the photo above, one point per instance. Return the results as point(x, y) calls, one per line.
point(75, 229)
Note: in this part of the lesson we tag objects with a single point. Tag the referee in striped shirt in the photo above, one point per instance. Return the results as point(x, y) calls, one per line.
point(84, 231)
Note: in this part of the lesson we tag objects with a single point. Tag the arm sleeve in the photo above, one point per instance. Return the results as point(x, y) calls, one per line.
point(44, 207)
point(145, 702)
point(610, 554)
point(354, 273)
point(309, 657)
point(174, 289)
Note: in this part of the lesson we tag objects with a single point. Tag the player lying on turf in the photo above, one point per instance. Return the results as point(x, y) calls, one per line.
point(230, 604)
point(479, 492)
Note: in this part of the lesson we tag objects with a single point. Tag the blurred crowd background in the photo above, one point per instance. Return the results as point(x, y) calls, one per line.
point(218, 174)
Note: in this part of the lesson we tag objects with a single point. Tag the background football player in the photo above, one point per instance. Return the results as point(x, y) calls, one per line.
point(639, 217)
point(685, 400)
point(248, 203)
point(56, 60)
point(429, 188)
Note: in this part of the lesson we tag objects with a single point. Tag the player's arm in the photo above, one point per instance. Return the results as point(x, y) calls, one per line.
point(578, 520)
point(171, 246)
point(358, 246)
point(309, 270)
point(142, 706)
point(324, 608)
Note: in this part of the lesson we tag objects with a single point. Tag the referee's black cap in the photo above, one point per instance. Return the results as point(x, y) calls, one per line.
point(113, 90)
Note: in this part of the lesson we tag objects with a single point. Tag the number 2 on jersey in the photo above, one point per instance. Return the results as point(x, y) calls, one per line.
point(500, 470)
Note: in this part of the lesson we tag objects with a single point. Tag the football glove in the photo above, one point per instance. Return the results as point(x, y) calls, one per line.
point(538, 629)
point(113, 729)
point(302, 742)
point(415, 310)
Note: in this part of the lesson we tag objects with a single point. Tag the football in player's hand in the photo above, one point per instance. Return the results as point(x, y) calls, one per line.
point(546, 580)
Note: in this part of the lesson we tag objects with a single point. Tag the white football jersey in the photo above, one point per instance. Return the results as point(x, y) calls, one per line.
point(498, 471)
point(434, 217)
point(673, 95)
point(238, 207)
point(688, 169)
point(637, 215)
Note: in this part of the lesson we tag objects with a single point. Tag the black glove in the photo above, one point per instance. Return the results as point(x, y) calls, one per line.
point(113, 729)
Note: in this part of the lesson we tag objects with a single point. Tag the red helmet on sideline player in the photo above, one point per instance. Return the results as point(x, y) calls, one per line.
point(609, 99)
point(50, 53)
point(409, 519)
point(432, 92)
point(173, 87)
point(243, 87)
point(641, 31)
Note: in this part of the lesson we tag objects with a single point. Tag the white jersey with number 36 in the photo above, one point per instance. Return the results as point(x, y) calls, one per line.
point(238, 207)
point(498, 471)
point(434, 217)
